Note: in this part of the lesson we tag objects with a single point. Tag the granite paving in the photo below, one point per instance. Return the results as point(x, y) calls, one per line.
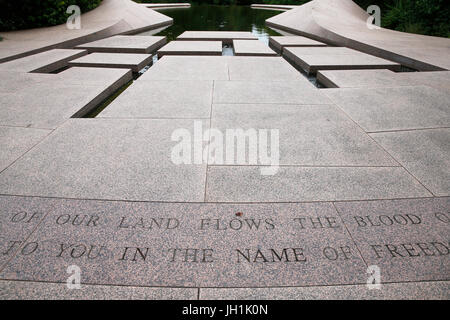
point(163, 99)
point(133, 61)
point(382, 78)
point(430, 290)
point(280, 42)
point(261, 69)
point(48, 104)
point(424, 153)
point(314, 135)
point(115, 159)
point(335, 58)
point(406, 239)
point(44, 62)
point(224, 36)
point(191, 245)
point(15, 141)
point(211, 48)
point(252, 48)
point(395, 108)
point(293, 183)
point(28, 290)
point(125, 44)
point(19, 217)
point(188, 68)
point(299, 91)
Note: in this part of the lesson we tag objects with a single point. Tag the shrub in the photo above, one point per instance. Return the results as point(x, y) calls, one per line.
point(25, 14)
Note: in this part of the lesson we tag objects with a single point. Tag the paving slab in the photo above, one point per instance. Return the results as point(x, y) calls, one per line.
point(438, 79)
point(95, 76)
point(163, 99)
point(29, 290)
point(126, 44)
point(252, 48)
point(283, 92)
point(224, 36)
point(279, 42)
point(48, 104)
point(313, 135)
point(19, 80)
point(406, 239)
point(15, 141)
point(261, 69)
point(19, 217)
point(44, 62)
point(197, 48)
point(293, 183)
point(115, 159)
point(359, 78)
point(382, 78)
point(191, 245)
point(435, 290)
point(424, 153)
point(133, 61)
point(335, 58)
point(188, 68)
point(396, 108)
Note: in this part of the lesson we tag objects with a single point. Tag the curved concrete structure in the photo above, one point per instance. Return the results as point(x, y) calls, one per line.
point(110, 18)
point(343, 23)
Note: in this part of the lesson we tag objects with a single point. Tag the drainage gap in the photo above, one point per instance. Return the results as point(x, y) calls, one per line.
point(102, 106)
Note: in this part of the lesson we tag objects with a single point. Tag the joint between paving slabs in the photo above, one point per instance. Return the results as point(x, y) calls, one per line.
point(382, 148)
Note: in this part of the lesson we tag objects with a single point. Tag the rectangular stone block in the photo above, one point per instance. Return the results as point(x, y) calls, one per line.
point(188, 68)
point(108, 159)
point(15, 141)
point(332, 58)
point(292, 183)
point(359, 78)
point(407, 240)
point(49, 103)
point(424, 153)
point(133, 61)
point(299, 91)
point(313, 135)
point(196, 48)
point(126, 44)
point(224, 36)
point(252, 48)
point(396, 108)
point(279, 42)
point(162, 99)
point(261, 69)
point(44, 62)
point(383, 78)
point(191, 245)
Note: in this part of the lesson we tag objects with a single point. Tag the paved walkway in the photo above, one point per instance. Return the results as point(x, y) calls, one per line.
point(362, 182)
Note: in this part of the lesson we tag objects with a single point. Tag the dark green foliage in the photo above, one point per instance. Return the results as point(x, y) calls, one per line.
point(24, 14)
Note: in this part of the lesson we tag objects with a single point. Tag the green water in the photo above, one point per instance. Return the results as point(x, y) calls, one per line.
point(219, 18)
